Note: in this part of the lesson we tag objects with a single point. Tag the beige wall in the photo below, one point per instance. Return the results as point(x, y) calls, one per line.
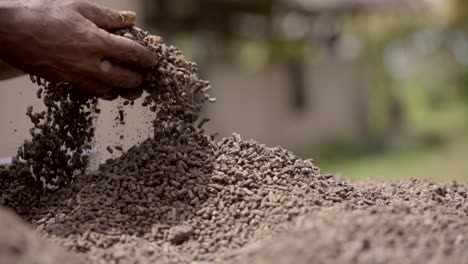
point(258, 105)
point(15, 96)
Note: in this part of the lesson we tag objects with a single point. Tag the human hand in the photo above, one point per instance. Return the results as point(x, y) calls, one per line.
point(66, 40)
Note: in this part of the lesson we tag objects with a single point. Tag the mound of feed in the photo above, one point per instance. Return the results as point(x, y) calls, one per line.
point(414, 222)
point(182, 197)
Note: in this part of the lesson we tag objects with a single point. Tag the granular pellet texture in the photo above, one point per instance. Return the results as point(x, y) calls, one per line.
point(407, 222)
point(378, 235)
point(182, 197)
point(207, 198)
point(60, 137)
point(252, 204)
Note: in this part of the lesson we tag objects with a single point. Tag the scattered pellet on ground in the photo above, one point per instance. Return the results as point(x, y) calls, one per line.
point(110, 150)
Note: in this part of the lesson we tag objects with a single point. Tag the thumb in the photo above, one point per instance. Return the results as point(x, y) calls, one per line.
point(106, 18)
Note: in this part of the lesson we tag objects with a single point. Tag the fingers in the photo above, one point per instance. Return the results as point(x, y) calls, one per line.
point(91, 86)
point(106, 18)
point(131, 94)
point(110, 96)
point(118, 76)
point(127, 51)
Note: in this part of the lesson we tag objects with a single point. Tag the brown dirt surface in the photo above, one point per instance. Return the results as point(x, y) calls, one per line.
point(183, 197)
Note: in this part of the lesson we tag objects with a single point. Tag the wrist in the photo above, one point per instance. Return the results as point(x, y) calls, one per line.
point(9, 18)
point(8, 8)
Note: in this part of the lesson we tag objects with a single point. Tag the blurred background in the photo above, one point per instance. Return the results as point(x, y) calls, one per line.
point(367, 88)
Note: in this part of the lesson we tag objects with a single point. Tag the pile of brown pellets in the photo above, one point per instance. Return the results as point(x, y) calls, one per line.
point(183, 197)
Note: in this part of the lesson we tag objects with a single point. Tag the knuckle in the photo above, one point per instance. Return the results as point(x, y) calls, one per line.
point(132, 51)
point(79, 5)
point(132, 81)
point(97, 41)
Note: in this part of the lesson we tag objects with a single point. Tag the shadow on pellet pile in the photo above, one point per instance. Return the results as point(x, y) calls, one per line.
point(155, 185)
point(19, 192)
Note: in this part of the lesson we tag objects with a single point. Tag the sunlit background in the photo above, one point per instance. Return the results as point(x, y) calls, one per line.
point(367, 88)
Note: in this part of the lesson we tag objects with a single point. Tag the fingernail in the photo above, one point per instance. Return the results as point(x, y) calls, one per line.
point(127, 16)
point(109, 96)
point(132, 94)
point(158, 40)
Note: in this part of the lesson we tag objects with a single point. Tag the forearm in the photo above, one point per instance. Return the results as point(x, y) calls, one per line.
point(10, 13)
point(8, 8)
point(7, 20)
point(7, 5)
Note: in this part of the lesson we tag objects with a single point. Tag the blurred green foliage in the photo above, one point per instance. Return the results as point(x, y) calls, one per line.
point(444, 163)
point(433, 98)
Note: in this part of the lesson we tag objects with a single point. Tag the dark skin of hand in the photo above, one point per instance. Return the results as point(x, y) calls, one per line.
point(67, 40)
